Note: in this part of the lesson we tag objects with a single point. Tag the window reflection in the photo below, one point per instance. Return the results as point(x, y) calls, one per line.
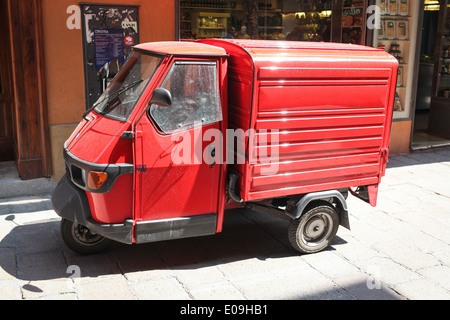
point(299, 20)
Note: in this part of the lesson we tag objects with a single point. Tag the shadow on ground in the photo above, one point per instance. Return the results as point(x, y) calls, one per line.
point(35, 251)
point(428, 156)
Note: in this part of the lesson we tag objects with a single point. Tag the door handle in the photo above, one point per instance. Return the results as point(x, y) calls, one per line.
point(212, 151)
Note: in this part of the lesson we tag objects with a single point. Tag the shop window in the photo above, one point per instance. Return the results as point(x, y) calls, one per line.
point(354, 21)
point(397, 36)
point(262, 19)
point(195, 97)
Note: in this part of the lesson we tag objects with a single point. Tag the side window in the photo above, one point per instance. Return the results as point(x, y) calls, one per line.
point(195, 97)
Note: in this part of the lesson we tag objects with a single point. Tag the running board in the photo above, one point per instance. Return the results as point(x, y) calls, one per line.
point(177, 228)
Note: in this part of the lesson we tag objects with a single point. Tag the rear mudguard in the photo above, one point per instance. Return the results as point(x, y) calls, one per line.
point(71, 203)
point(297, 209)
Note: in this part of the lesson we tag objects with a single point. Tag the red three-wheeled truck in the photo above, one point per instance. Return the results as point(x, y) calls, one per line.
point(187, 130)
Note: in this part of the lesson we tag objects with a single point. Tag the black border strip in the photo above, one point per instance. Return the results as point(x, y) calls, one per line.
point(114, 171)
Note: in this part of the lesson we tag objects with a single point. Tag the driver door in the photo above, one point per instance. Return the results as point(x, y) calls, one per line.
point(176, 170)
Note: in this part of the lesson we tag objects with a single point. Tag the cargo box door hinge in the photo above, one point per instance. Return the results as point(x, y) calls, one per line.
point(384, 154)
point(131, 134)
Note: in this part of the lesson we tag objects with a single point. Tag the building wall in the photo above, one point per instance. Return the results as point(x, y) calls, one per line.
point(63, 54)
point(400, 137)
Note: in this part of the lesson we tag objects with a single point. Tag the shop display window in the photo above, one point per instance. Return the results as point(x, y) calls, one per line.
point(354, 21)
point(397, 36)
point(301, 20)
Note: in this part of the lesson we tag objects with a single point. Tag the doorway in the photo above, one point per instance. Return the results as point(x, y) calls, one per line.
point(23, 110)
point(425, 130)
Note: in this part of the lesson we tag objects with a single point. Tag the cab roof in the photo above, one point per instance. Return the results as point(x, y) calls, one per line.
point(182, 48)
point(268, 50)
point(264, 45)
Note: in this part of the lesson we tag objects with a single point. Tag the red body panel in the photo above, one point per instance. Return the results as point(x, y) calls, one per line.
point(166, 190)
point(116, 205)
point(98, 141)
point(331, 107)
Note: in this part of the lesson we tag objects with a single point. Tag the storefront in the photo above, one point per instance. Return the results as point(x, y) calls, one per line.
point(419, 36)
point(304, 20)
point(58, 56)
point(397, 31)
point(398, 34)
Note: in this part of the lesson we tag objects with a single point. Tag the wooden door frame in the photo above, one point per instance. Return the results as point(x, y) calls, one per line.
point(32, 147)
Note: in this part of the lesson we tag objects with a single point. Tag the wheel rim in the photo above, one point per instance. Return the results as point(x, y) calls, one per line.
point(85, 236)
point(317, 229)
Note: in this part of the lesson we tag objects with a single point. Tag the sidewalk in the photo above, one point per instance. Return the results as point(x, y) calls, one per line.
point(398, 250)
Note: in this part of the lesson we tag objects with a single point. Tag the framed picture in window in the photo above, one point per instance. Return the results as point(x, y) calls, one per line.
point(400, 77)
point(392, 7)
point(383, 6)
point(402, 29)
point(403, 7)
point(390, 29)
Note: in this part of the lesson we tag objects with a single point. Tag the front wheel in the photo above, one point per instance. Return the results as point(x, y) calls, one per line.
point(315, 229)
point(82, 240)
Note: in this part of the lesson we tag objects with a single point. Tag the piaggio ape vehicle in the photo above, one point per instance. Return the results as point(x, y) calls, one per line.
point(187, 130)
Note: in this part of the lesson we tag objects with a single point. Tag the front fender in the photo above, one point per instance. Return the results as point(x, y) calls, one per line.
point(71, 203)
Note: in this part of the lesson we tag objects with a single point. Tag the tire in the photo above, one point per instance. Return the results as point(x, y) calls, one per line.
point(315, 229)
point(81, 240)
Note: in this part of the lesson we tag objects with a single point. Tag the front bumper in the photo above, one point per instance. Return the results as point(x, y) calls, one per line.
point(71, 203)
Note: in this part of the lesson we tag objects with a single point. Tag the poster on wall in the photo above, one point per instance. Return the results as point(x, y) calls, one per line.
point(109, 33)
point(109, 45)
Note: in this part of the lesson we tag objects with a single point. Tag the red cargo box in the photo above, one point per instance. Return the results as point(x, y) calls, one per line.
point(324, 110)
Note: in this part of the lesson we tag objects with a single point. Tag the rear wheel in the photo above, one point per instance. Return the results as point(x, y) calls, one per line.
point(82, 240)
point(315, 229)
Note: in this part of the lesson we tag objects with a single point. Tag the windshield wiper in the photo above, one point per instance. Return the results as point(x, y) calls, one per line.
point(112, 96)
point(126, 88)
point(87, 112)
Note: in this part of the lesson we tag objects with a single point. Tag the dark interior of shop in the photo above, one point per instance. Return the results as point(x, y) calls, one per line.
point(433, 83)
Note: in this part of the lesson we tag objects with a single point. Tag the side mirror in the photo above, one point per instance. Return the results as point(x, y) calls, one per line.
point(161, 97)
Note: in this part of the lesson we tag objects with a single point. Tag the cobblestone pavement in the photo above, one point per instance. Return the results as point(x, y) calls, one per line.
point(398, 250)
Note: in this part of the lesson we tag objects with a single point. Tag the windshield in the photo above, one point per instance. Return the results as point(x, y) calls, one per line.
point(121, 96)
